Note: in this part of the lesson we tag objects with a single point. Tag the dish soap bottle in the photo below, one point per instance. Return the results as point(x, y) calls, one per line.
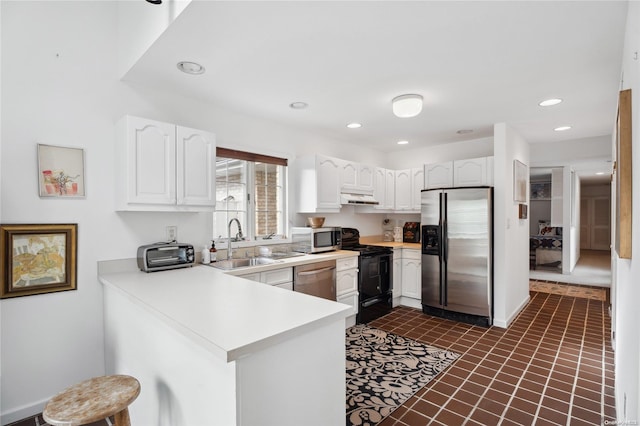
point(205, 256)
point(212, 252)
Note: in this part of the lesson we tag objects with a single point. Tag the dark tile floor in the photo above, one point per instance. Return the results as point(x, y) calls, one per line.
point(552, 366)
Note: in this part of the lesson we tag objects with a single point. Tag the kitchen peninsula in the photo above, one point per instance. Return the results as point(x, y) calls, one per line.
point(212, 349)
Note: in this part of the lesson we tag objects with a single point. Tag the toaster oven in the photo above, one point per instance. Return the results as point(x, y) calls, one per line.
point(162, 256)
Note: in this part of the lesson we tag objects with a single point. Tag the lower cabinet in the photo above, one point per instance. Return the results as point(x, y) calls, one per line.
point(397, 276)
point(347, 286)
point(411, 277)
point(282, 278)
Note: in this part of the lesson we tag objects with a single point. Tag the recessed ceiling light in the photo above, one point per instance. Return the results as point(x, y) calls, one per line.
point(550, 102)
point(403, 142)
point(298, 105)
point(562, 128)
point(600, 173)
point(354, 125)
point(464, 131)
point(190, 67)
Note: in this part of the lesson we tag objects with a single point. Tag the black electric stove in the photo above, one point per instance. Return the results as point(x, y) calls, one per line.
point(375, 276)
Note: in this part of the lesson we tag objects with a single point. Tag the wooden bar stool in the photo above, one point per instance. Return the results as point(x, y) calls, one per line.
point(92, 400)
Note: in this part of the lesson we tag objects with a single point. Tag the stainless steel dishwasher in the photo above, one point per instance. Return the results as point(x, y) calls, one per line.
point(316, 279)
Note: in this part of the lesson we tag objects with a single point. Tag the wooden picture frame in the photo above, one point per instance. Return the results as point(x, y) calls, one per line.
point(38, 258)
point(60, 172)
point(623, 175)
point(519, 182)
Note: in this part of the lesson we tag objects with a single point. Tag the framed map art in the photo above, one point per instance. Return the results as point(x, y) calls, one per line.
point(37, 259)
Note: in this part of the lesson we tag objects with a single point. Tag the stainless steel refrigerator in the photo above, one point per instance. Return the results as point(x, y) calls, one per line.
point(457, 254)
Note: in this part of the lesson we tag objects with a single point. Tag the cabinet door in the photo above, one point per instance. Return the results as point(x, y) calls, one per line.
point(390, 190)
point(417, 185)
point(151, 162)
point(470, 172)
point(365, 177)
point(379, 188)
point(397, 272)
point(327, 182)
point(195, 167)
point(438, 175)
point(403, 189)
point(346, 281)
point(348, 175)
point(411, 278)
point(557, 184)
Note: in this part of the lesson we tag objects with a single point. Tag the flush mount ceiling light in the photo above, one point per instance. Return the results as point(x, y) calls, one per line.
point(550, 102)
point(354, 125)
point(403, 142)
point(407, 105)
point(298, 105)
point(190, 68)
point(562, 128)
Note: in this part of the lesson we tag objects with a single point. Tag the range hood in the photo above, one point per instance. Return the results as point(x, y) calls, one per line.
point(358, 199)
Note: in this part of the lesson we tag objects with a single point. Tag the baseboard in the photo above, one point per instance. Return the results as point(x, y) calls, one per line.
point(502, 323)
point(22, 412)
point(410, 302)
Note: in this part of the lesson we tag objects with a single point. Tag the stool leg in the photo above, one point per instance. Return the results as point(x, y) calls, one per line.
point(122, 418)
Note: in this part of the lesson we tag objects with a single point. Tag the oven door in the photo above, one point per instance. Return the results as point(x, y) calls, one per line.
point(374, 278)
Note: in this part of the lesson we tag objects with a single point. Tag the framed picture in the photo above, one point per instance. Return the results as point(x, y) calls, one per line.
point(60, 171)
point(37, 259)
point(540, 191)
point(519, 182)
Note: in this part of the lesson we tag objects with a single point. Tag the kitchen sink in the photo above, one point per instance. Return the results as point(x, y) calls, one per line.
point(228, 264)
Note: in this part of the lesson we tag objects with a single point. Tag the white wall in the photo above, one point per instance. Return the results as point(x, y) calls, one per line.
point(416, 157)
point(511, 235)
point(573, 151)
point(626, 272)
point(66, 91)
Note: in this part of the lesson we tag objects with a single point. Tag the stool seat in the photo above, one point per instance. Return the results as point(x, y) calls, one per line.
point(92, 400)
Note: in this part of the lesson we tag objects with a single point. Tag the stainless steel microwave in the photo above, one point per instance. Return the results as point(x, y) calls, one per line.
point(316, 240)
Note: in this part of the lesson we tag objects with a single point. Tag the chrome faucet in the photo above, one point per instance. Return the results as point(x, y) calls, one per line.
point(239, 236)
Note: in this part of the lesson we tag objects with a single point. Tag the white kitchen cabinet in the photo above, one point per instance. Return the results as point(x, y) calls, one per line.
point(356, 177)
point(459, 173)
point(347, 285)
point(411, 273)
point(346, 275)
point(438, 175)
point(384, 188)
point(470, 172)
point(397, 275)
point(417, 185)
point(282, 277)
point(318, 184)
point(164, 167)
point(409, 183)
point(403, 190)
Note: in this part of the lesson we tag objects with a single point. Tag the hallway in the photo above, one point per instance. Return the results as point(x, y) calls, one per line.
point(593, 268)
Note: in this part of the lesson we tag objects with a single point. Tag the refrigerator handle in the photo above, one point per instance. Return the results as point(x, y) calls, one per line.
point(445, 250)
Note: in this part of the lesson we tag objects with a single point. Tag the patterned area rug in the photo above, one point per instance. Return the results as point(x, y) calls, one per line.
point(384, 370)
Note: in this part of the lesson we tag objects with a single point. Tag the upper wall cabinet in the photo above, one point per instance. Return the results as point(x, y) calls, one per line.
point(450, 174)
point(318, 184)
point(438, 175)
point(384, 188)
point(356, 177)
point(164, 167)
point(409, 183)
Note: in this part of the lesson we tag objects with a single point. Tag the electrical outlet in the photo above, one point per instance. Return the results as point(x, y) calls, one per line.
point(172, 233)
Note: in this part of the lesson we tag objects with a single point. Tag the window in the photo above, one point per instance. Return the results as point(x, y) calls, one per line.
point(250, 188)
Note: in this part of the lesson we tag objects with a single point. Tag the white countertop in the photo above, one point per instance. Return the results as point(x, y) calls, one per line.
point(229, 316)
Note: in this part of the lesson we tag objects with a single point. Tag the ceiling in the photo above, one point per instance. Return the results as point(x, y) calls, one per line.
point(476, 63)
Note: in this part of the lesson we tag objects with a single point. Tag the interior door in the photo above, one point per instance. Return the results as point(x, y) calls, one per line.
point(601, 223)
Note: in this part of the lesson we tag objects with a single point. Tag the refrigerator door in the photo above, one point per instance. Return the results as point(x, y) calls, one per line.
point(467, 242)
point(431, 248)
